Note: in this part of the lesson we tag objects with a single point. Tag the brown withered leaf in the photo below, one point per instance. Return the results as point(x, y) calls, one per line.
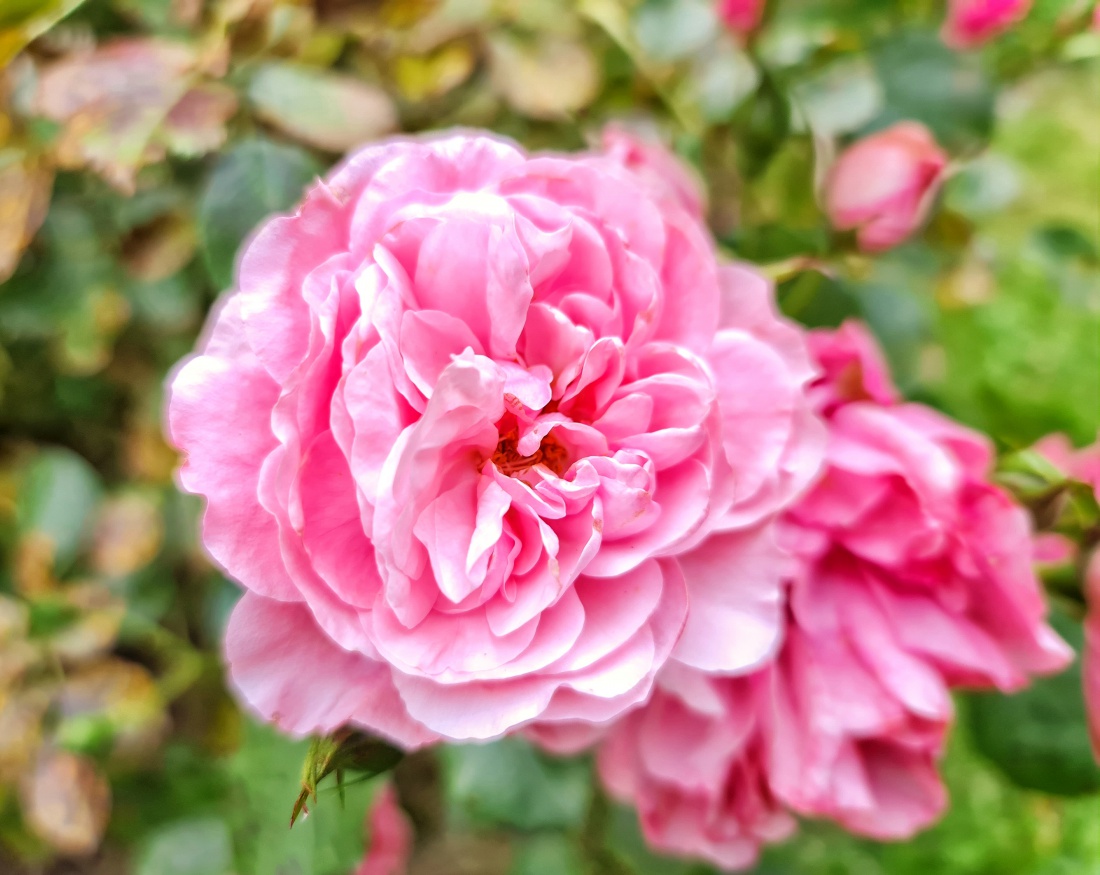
point(160, 248)
point(21, 716)
point(550, 78)
point(66, 802)
point(25, 185)
point(126, 695)
point(99, 615)
point(129, 103)
point(326, 110)
point(127, 535)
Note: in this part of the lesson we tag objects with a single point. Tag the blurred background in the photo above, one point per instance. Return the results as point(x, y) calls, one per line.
point(142, 140)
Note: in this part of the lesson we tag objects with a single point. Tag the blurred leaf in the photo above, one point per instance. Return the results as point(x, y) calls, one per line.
point(1039, 737)
point(925, 81)
point(840, 98)
point(200, 846)
point(128, 533)
point(548, 78)
point(510, 783)
point(985, 185)
point(58, 494)
point(421, 77)
point(326, 110)
point(327, 842)
point(128, 103)
point(548, 854)
point(66, 801)
point(670, 30)
point(124, 696)
point(24, 20)
point(24, 196)
point(97, 619)
point(817, 300)
point(251, 181)
point(159, 249)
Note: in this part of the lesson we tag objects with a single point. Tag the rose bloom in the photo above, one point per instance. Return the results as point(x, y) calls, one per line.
point(474, 431)
point(693, 762)
point(882, 186)
point(741, 16)
point(911, 576)
point(970, 23)
point(390, 836)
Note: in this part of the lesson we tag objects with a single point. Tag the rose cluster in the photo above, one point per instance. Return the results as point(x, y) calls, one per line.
point(497, 441)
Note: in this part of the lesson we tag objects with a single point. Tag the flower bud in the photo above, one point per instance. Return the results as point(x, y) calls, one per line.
point(882, 186)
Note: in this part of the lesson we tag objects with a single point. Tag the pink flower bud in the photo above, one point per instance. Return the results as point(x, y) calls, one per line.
point(884, 184)
point(741, 16)
point(972, 22)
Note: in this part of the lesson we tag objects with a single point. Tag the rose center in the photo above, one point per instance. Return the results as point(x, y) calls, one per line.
point(550, 453)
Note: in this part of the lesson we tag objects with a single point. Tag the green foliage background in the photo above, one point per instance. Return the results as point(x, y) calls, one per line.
point(991, 313)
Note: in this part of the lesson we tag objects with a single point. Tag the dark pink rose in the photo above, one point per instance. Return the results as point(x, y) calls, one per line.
point(882, 186)
point(973, 22)
point(489, 438)
point(741, 16)
point(915, 577)
point(389, 836)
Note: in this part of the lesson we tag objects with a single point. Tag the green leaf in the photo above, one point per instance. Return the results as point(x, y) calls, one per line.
point(323, 109)
point(925, 81)
point(58, 493)
point(510, 783)
point(329, 841)
point(200, 846)
point(1039, 737)
point(547, 854)
point(250, 182)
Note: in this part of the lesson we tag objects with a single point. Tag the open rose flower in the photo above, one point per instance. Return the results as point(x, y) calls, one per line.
point(971, 23)
point(883, 185)
point(915, 577)
point(489, 438)
point(911, 576)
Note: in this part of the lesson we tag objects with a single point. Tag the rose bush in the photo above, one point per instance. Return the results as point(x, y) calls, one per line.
point(912, 577)
point(489, 438)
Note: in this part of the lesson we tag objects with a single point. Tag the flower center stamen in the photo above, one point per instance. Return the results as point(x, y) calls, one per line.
point(550, 453)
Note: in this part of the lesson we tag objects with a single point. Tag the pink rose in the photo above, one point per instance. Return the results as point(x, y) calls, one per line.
point(667, 176)
point(972, 22)
point(915, 578)
point(883, 186)
point(390, 836)
point(741, 16)
point(911, 576)
point(693, 762)
point(1091, 660)
point(474, 431)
